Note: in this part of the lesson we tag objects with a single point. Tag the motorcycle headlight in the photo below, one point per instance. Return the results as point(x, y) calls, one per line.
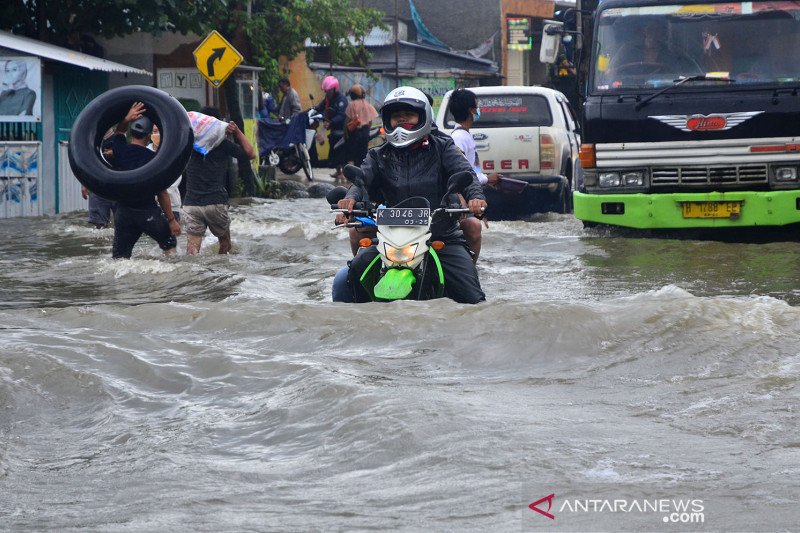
point(400, 255)
point(609, 179)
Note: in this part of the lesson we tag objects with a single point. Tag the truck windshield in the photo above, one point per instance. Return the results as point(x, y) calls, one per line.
point(651, 46)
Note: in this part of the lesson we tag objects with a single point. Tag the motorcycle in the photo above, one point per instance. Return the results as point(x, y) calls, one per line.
point(409, 267)
point(284, 144)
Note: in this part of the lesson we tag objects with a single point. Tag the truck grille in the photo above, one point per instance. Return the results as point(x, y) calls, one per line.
point(710, 175)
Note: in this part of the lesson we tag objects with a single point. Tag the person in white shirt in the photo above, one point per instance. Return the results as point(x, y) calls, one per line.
point(465, 110)
point(173, 191)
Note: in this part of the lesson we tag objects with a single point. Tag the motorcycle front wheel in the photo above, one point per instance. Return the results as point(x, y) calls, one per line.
point(306, 158)
point(290, 164)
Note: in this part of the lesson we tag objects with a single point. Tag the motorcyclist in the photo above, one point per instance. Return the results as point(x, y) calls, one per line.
point(333, 109)
point(416, 163)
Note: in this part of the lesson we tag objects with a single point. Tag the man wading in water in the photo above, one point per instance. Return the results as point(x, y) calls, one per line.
point(139, 214)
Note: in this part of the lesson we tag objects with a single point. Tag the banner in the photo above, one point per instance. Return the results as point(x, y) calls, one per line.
point(423, 33)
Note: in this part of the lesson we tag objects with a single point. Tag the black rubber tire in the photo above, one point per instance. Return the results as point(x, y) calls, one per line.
point(290, 164)
point(308, 170)
point(107, 110)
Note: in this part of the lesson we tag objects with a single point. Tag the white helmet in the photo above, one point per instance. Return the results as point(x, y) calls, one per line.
point(406, 98)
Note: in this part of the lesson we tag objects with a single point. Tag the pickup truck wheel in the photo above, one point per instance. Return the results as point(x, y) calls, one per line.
point(102, 113)
point(562, 204)
point(568, 187)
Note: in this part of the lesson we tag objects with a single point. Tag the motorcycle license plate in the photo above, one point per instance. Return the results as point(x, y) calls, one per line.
point(403, 216)
point(711, 209)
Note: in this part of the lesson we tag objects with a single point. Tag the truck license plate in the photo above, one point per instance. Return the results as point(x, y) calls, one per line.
point(712, 209)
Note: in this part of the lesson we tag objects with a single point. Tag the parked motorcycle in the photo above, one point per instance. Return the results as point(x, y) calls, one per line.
point(409, 267)
point(284, 144)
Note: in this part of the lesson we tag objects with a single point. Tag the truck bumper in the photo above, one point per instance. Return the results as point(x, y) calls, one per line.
point(665, 211)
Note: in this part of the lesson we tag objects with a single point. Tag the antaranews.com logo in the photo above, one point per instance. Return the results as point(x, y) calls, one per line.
point(676, 511)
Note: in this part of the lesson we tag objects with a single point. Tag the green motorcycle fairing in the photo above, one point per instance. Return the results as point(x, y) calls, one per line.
point(395, 284)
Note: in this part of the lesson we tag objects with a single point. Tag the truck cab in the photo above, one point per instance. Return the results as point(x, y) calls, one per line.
point(691, 116)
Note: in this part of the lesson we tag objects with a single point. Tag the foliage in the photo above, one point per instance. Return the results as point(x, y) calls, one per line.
point(332, 23)
point(266, 185)
point(266, 29)
point(55, 21)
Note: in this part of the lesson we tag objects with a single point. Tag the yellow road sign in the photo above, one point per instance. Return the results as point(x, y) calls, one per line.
point(216, 58)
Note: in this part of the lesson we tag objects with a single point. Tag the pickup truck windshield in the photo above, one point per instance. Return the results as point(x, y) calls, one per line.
point(651, 46)
point(507, 110)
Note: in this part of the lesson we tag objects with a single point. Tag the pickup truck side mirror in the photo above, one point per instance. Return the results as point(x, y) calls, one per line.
point(551, 38)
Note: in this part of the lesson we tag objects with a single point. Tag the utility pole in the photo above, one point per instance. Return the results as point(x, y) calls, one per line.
point(396, 47)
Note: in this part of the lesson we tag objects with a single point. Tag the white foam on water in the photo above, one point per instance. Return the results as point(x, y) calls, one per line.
point(603, 470)
point(136, 266)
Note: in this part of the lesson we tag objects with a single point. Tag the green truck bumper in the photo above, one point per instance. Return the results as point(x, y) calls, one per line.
point(657, 211)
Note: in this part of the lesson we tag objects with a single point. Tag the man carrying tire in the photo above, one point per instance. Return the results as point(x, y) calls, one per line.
point(137, 214)
point(205, 205)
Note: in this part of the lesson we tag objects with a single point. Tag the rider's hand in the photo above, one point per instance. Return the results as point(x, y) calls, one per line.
point(477, 207)
point(494, 179)
point(84, 192)
point(348, 204)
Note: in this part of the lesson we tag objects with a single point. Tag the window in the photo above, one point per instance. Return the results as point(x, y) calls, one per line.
point(509, 110)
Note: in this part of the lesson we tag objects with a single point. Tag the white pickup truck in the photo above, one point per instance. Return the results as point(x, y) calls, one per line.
point(528, 134)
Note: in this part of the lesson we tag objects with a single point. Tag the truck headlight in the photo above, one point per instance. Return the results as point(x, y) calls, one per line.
point(400, 255)
point(609, 179)
point(786, 174)
point(633, 179)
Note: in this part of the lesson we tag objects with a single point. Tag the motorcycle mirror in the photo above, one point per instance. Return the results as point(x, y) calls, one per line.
point(336, 194)
point(354, 175)
point(459, 181)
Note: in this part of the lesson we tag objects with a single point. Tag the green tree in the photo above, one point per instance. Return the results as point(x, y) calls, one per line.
point(279, 28)
point(56, 21)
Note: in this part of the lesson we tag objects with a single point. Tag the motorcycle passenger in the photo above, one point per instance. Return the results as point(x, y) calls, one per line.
point(333, 109)
point(416, 163)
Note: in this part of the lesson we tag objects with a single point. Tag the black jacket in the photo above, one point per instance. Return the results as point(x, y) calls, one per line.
point(335, 112)
point(393, 174)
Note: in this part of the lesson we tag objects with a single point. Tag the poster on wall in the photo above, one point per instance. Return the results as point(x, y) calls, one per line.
point(20, 89)
point(19, 180)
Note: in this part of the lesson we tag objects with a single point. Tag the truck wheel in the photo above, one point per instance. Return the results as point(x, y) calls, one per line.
point(104, 112)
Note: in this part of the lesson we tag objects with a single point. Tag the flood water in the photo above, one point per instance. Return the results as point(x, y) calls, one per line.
point(229, 394)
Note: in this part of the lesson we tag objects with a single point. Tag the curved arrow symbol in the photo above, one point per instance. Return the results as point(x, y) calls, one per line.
point(549, 500)
point(213, 57)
